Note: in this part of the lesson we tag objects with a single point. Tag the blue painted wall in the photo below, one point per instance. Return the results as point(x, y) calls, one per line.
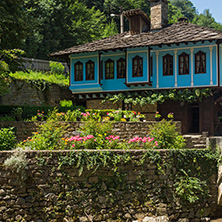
point(165, 82)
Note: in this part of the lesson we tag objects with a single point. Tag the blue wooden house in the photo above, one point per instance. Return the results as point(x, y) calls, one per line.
point(153, 56)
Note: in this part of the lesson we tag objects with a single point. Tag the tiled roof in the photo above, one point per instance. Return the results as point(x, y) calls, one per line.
point(180, 32)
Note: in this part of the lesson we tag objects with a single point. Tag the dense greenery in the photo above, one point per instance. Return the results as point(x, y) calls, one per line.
point(40, 79)
point(41, 27)
point(155, 96)
point(164, 132)
point(9, 62)
point(7, 139)
point(95, 134)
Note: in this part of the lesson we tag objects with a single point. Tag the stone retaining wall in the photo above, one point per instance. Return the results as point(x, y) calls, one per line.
point(23, 93)
point(126, 130)
point(56, 188)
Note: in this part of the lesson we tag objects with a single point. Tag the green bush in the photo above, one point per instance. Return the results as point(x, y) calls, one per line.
point(7, 139)
point(164, 132)
point(48, 137)
point(56, 67)
point(66, 103)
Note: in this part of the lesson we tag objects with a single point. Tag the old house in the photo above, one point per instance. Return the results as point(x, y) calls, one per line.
point(153, 56)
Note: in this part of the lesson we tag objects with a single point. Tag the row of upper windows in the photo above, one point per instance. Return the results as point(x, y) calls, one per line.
point(137, 65)
point(184, 64)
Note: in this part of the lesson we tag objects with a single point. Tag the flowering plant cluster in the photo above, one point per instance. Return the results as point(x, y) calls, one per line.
point(97, 135)
point(144, 143)
point(170, 115)
point(40, 115)
point(99, 115)
point(93, 142)
point(157, 115)
point(78, 141)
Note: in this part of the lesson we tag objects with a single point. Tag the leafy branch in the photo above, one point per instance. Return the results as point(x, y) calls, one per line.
point(154, 96)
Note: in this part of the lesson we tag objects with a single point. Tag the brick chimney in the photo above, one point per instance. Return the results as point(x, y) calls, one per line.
point(158, 14)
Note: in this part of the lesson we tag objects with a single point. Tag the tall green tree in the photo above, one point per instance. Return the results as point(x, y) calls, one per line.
point(206, 19)
point(14, 23)
point(186, 7)
point(9, 62)
point(174, 14)
point(61, 24)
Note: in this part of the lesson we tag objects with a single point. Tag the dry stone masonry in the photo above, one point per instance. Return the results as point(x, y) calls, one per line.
point(56, 188)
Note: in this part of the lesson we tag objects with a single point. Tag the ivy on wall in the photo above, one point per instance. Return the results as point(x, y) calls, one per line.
point(191, 177)
point(154, 96)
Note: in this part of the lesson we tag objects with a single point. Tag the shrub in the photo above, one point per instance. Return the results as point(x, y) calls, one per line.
point(17, 113)
point(17, 163)
point(7, 139)
point(94, 135)
point(66, 103)
point(164, 132)
point(56, 67)
point(48, 137)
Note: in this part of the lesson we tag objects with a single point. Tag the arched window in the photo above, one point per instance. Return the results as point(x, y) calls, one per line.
point(121, 68)
point(109, 69)
point(137, 66)
point(90, 73)
point(200, 62)
point(78, 71)
point(184, 64)
point(168, 65)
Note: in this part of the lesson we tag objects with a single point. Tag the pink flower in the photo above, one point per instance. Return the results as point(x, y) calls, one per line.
point(150, 140)
point(156, 143)
point(73, 145)
point(94, 140)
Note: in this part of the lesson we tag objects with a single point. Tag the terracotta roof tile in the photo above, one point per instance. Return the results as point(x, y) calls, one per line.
point(177, 33)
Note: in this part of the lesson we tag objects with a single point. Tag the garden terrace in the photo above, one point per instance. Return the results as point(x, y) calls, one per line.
point(125, 130)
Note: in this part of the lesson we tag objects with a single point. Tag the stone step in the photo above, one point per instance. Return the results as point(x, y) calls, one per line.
point(195, 141)
point(199, 146)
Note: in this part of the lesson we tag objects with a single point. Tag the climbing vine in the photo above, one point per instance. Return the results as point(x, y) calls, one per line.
point(154, 96)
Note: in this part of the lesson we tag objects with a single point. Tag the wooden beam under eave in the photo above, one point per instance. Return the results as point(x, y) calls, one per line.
point(149, 65)
point(126, 66)
point(99, 67)
point(218, 62)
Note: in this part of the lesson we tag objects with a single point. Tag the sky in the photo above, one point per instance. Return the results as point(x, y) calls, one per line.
point(215, 7)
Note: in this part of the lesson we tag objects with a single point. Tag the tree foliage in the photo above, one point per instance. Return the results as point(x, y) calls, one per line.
point(61, 24)
point(186, 7)
point(206, 19)
point(14, 24)
point(41, 27)
point(9, 61)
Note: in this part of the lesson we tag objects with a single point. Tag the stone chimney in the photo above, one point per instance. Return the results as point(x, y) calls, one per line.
point(158, 14)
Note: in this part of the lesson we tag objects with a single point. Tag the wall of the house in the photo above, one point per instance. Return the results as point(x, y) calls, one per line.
point(195, 117)
point(85, 85)
point(207, 79)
